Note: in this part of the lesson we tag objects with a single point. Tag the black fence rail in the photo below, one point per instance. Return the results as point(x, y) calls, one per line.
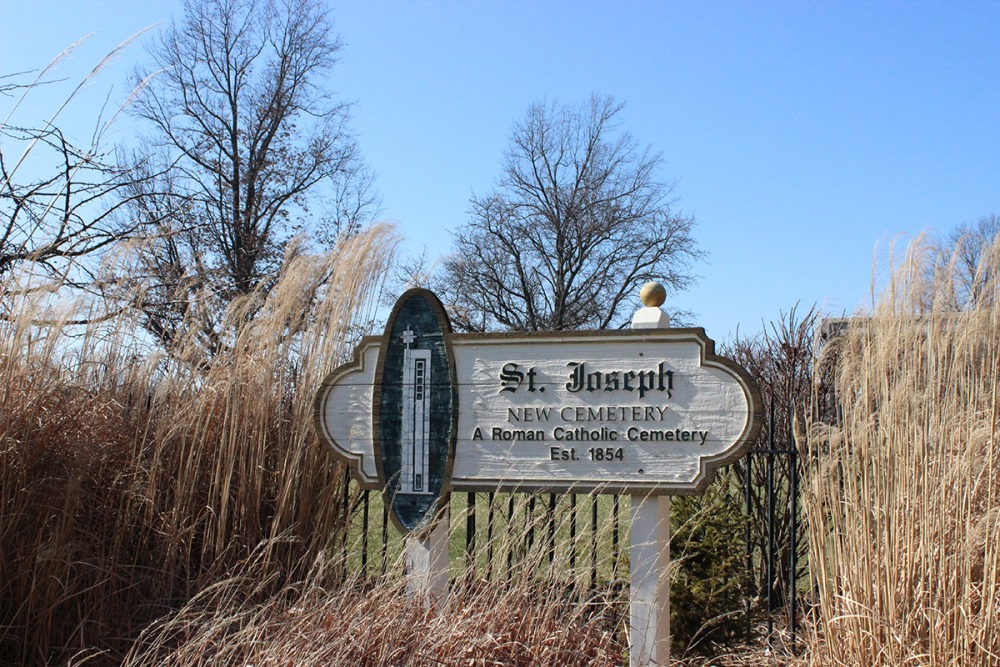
point(774, 558)
point(583, 538)
point(493, 533)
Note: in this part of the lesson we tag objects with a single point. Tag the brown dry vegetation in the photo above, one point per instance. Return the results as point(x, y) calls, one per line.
point(182, 510)
point(176, 511)
point(376, 624)
point(129, 483)
point(903, 499)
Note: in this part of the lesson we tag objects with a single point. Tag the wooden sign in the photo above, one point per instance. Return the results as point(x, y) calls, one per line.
point(421, 411)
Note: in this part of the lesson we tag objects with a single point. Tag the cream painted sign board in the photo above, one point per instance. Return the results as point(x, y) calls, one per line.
point(646, 411)
point(622, 412)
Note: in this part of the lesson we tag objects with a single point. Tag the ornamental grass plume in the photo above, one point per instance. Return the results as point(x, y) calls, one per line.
point(131, 482)
point(903, 498)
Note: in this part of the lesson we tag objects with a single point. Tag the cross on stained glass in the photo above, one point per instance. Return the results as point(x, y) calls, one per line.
point(408, 337)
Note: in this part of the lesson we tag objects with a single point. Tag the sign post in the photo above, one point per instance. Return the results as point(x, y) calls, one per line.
point(649, 585)
point(650, 412)
point(426, 560)
point(649, 540)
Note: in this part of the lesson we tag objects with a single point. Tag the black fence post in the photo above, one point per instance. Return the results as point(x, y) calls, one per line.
point(385, 538)
point(572, 534)
point(510, 539)
point(346, 500)
point(770, 526)
point(552, 530)
point(364, 534)
point(470, 531)
point(593, 541)
point(793, 458)
point(615, 549)
point(529, 515)
point(489, 535)
point(747, 536)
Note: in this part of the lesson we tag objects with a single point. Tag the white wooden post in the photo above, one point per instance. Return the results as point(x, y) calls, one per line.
point(426, 559)
point(649, 586)
point(649, 535)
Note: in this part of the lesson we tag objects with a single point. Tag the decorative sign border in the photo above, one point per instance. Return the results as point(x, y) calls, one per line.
point(482, 371)
point(562, 339)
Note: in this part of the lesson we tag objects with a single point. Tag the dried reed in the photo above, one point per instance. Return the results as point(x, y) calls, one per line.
point(375, 624)
point(130, 482)
point(903, 500)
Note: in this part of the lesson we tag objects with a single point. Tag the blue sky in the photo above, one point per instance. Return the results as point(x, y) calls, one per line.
point(804, 137)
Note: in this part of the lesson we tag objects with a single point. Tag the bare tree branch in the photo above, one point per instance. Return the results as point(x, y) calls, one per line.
point(250, 141)
point(964, 248)
point(577, 222)
point(68, 213)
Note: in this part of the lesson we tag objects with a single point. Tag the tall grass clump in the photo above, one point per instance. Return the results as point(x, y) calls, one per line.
point(517, 601)
point(375, 624)
point(130, 481)
point(903, 500)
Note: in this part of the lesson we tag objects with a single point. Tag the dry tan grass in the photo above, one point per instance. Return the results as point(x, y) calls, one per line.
point(191, 505)
point(129, 483)
point(240, 622)
point(190, 502)
point(903, 499)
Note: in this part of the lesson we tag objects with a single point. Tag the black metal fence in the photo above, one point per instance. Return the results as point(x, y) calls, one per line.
point(583, 538)
point(774, 557)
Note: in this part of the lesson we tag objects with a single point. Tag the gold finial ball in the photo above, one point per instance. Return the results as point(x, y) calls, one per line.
point(653, 294)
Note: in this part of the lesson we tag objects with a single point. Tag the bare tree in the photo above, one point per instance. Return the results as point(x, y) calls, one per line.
point(59, 200)
point(66, 214)
point(252, 141)
point(577, 222)
point(966, 246)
